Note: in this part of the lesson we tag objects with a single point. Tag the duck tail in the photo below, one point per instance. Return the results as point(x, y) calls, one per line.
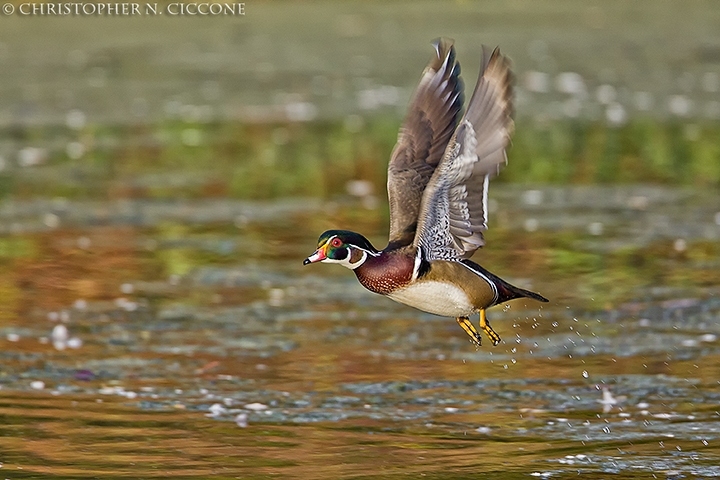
point(506, 291)
point(509, 292)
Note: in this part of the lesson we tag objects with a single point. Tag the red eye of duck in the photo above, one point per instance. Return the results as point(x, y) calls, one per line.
point(336, 242)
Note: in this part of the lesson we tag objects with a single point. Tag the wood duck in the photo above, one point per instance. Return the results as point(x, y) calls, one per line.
point(437, 187)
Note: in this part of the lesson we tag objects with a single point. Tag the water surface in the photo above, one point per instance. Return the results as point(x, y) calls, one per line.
point(153, 338)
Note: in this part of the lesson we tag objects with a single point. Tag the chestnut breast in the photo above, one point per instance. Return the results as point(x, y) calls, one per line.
point(386, 272)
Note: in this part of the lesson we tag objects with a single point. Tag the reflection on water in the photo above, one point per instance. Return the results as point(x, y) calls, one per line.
point(155, 339)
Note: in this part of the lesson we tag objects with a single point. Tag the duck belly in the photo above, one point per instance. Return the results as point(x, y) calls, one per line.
point(439, 298)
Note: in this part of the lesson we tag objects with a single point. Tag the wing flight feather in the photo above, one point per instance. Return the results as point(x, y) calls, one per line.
point(453, 212)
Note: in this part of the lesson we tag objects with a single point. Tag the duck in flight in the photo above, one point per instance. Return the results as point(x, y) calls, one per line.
point(437, 188)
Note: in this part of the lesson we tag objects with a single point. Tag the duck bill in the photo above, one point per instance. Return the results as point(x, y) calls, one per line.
point(318, 256)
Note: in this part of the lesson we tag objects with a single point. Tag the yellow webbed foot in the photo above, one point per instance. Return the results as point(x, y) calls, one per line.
point(485, 326)
point(470, 329)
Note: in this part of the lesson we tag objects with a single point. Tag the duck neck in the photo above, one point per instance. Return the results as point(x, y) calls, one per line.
point(356, 259)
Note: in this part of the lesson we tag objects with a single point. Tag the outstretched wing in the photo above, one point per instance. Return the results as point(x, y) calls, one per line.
point(453, 214)
point(430, 122)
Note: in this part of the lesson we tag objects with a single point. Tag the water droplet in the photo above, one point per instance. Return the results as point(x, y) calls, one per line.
point(585, 374)
point(705, 442)
point(606, 429)
point(555, 324)
point(505, 366)
point(513, 350)
point(514, 360)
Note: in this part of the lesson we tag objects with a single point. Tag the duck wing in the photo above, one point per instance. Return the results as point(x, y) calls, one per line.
point(431, 120)
point(453, 213)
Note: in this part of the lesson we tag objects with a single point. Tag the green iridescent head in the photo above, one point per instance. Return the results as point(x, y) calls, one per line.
point(342, 246)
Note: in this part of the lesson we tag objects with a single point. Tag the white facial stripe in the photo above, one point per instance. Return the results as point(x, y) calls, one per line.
point(327, 243)
point(345, 262)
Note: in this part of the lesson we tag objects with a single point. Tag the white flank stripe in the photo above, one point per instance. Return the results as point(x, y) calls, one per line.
point(496, 294)
point(416, 266)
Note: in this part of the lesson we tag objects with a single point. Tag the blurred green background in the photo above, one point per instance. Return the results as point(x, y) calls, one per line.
point(298, 98)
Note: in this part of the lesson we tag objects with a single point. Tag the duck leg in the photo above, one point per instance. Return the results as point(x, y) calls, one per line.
point(470, 329)
point(485, 326)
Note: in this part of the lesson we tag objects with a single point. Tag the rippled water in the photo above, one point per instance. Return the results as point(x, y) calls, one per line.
point(185, 339)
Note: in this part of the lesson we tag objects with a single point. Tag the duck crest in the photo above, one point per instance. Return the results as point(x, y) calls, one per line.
point(386, 272)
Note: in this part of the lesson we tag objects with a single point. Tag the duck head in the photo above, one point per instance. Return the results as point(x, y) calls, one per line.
point(349, 249)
